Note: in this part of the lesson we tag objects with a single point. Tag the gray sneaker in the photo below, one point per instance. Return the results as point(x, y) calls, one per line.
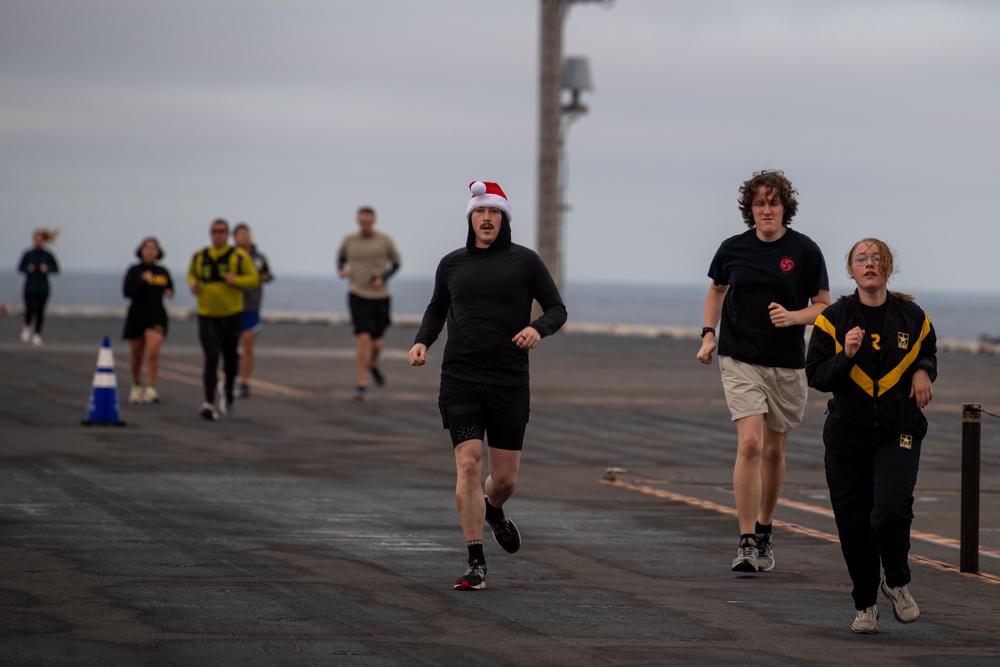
point(866, 621)
point(904, 607)
point(765, 552)
point(746, 557)
point(474, 578)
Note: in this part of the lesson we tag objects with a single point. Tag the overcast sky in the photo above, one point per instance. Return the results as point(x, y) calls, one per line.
point(126, 118)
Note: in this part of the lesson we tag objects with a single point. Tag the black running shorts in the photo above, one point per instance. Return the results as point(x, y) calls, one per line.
point(370, 316)
point(476, 411)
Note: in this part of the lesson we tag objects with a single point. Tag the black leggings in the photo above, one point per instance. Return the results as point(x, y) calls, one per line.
point(34, 309)
point(220, 335)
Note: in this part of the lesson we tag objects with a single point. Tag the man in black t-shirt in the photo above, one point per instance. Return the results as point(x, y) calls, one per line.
point(768, 283)
point(484, 292)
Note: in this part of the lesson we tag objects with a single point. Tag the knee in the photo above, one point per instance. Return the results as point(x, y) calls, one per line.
point(468, 464)
point(750, 446)
point(503, 482)
point(892, 516)
point(772, 454)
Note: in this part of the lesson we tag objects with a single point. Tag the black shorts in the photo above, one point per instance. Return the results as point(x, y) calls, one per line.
point(137, 321)
point(370, 316)
point(476, 411)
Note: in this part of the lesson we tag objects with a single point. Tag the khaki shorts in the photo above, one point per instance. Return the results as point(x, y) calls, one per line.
point(780, 394)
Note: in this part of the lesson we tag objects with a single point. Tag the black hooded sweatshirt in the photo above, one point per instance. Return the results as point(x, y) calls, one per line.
point(485, 296)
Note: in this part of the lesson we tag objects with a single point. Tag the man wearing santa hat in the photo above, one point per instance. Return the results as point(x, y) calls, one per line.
point(484, 292)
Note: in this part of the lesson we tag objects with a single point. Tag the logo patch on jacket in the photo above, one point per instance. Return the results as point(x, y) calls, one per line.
point(903, 340)
point(787, 264)
point(906, 441)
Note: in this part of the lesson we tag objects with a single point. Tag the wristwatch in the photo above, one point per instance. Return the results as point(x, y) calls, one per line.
point(706, 330)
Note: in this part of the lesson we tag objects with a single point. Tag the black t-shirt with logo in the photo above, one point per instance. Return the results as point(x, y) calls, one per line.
point(789, 271)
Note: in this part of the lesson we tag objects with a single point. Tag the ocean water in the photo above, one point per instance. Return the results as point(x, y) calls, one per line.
point(956, 315)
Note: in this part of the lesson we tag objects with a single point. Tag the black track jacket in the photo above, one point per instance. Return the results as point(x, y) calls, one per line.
point(872, 389)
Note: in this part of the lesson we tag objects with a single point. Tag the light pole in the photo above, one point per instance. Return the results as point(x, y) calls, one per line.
point(575, 79)
point(549, 131)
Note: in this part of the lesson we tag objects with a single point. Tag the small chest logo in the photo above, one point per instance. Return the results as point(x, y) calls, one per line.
point(903, 340)
point(906, 441)
point(787, 264)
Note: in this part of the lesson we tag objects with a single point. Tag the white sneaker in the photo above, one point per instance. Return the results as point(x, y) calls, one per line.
point(208, 411)
point(866, 621)
point(26, 334)
point(904, 607)
point(135, 395)
point(150, 395)
point(36, 341)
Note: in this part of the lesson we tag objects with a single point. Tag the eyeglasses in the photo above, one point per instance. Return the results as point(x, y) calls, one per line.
point(861, 260)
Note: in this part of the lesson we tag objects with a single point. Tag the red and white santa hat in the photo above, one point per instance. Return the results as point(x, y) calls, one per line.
point(487, 193)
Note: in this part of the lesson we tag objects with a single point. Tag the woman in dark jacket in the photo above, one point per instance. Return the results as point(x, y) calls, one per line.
point(877, 352)
point(37, 264)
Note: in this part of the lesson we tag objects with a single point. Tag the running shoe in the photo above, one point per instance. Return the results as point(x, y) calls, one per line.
point(359, 394)
point(765, 552)
point(474, 578)
point(904, 607)
point(26, 335)
point(36, 341)
point(746, 556)
point(866, 621)
point(244, 390)
point(378, 377)
point(505, 533)
point(150, 395)
point(208, 411)
point(135, 394)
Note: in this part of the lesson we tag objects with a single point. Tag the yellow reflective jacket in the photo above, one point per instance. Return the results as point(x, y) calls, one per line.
point(216, 297)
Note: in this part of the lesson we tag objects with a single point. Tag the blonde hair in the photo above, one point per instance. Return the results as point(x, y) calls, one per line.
point(48, 235)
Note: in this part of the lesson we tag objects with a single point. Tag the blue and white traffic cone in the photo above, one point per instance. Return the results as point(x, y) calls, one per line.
point(103, 407)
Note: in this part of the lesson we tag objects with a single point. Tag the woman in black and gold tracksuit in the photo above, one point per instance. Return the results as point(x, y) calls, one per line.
point(877, 352)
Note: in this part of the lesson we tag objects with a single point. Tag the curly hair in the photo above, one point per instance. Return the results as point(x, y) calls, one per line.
point(773, 180)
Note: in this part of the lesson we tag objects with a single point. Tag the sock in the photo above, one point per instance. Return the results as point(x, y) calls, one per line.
point(476, 551)
point(493, 514)
point(762, 529)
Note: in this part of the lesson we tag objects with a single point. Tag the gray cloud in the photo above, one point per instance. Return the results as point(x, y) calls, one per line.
point(122, 119)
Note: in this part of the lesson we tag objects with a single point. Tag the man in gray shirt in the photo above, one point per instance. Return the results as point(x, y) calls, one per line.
point(368, 258)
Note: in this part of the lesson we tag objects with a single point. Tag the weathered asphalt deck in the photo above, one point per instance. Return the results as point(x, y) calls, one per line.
point(311, 529)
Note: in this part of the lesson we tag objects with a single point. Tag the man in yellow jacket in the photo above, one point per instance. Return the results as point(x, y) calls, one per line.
point(218, 275)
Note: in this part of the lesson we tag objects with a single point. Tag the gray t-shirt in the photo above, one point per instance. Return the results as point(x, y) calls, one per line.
point(368, 257)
